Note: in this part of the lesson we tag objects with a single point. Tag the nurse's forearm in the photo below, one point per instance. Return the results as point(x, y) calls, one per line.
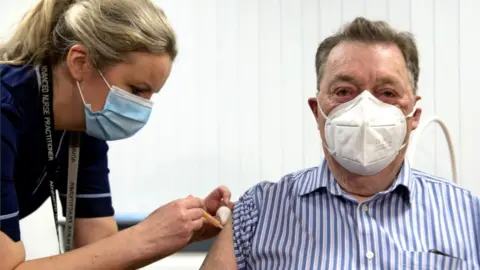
point(91, 230)
point(120, 251)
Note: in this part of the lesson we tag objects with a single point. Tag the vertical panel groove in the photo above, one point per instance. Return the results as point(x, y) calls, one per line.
point(259, 82)
point(387, 6)
point(219, 156)
point(318, 19)
point(282, 90)
point(459, 74)
point(302, 83)
point(410, 16)
point(237, 93)
point(434, 17)
point(341, 13)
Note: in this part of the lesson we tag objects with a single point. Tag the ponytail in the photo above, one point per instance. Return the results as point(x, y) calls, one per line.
point(32, 40)
point(107, 29)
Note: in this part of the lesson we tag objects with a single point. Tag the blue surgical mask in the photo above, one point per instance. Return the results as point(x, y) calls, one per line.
point(123, 115)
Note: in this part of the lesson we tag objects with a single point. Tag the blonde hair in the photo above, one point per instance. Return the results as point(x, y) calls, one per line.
point(108, 29)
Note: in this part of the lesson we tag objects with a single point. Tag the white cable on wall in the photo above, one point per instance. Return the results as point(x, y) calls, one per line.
point(419, 132)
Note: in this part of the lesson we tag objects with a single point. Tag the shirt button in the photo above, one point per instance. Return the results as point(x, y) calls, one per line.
point(370, 255)
point(364, 208)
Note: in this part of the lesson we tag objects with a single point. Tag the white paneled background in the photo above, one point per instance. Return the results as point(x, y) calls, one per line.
point(234, 111)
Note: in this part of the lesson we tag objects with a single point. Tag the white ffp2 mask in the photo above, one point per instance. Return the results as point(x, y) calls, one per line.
point(364, 135)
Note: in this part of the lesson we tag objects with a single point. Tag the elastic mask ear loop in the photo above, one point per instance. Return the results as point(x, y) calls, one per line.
point(410, 115)
point(332, 152)
point(323, 114)
point(105, 80)
point(81, 94)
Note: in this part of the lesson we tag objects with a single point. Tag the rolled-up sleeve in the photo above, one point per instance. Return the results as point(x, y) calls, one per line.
point(93, 187)
point(476, 222)
point(245, 219)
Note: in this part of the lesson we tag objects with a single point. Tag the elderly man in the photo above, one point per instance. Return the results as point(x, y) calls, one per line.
point(364, 207)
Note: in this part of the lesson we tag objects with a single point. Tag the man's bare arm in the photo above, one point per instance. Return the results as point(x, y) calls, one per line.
point(221, 255)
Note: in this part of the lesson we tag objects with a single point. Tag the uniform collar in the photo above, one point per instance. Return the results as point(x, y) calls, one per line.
point(405, 182)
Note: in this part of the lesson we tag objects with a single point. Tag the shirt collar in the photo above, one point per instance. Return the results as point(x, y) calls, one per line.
point(322, 178)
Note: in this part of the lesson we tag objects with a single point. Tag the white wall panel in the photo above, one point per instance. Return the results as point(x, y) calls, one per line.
point(311, 29)
point(247, 90)
point(234, 111)
point(446, 73)
point(422, 25)
point(468, 94)
point(399, 14)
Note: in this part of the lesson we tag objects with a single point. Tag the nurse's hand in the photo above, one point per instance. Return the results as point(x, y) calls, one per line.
point(170, 227)
point(219, 197)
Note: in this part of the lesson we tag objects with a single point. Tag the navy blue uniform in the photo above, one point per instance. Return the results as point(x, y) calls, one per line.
point(24, 156)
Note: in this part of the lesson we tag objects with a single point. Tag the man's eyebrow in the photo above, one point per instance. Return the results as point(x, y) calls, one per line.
point(350, 79)
point(345, 78)
point(386, 80)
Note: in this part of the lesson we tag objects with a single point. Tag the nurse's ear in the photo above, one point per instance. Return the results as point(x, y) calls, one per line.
point(78, 63)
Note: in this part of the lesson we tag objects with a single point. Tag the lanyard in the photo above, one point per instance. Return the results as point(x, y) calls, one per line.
point(46, 98)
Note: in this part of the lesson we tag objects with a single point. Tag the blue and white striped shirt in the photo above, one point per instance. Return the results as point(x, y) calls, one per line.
point(306, 221)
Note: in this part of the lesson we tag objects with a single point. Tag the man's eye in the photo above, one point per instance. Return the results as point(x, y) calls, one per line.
point(343, 92)
point(388, 94)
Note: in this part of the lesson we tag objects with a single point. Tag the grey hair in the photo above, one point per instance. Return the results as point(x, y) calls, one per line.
point(371, 32)
point(108, 29)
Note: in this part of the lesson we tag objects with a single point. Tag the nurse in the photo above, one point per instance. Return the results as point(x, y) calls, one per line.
point(74, 75)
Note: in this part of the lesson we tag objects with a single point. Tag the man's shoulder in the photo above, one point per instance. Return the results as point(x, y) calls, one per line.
point(289, 184)
point(431, 181)
point(255, 202)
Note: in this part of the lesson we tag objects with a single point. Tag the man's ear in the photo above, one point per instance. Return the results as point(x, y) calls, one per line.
point(416, 118)
point(313, 104)
point(417, 114)
point(77, 62)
